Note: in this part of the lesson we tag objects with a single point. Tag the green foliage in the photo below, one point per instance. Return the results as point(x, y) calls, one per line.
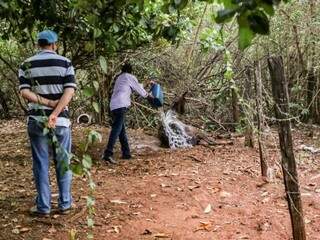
point(88, 91)
point(96, 107)
point(103, 64)
point(253, 17)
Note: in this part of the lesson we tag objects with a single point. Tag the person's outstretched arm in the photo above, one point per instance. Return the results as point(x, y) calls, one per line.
point(137, 87)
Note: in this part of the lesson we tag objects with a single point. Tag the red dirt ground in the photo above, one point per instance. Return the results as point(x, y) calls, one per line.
point(162, 194)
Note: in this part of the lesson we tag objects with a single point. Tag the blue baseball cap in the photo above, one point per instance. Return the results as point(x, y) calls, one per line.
point(48, 35)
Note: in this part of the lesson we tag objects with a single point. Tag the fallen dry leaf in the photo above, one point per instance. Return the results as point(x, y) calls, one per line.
point(25, 229)
point(118, 201)
point(225, 194)
point(15, 231)
point(207, 209)
point(161, 235)
point(193, 187)
point(52, 230)
point(206, 226)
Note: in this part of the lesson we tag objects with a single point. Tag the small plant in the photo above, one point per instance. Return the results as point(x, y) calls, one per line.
point(82, 166)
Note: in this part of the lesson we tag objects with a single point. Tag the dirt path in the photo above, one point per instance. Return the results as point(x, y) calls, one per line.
point(192, 194)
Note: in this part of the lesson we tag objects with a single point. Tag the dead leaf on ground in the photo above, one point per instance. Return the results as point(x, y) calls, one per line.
point(207, 209)
point(25, 229)
point(161, 235)
point(224, 194)
point(117, 201)
point(52, 230)
point(206, 226)
point(193, 187)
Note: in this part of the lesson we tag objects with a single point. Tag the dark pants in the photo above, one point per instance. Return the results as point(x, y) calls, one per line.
point(118, 130)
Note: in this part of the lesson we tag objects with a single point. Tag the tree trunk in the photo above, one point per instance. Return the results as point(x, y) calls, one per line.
point(235, 106)
point(311, 96)
point(4, 105)
point(248, 141)
point(260, 118)
point(281, 98)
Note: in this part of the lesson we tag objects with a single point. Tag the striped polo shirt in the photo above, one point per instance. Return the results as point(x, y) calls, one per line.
point(47, 74)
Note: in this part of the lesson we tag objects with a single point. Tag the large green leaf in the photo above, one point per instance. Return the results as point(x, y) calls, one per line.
point(94, 136)
point(86, 161)
point(228, 3)
point(259, 22)
point(88, 91)
point(245, 37)
point(267, 7)
point(77, 169)
point(103, 64)
point(245, 34)
point(96, 85)
point(96, 107)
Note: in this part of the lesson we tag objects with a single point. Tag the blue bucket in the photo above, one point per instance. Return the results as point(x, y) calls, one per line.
point(157, 94)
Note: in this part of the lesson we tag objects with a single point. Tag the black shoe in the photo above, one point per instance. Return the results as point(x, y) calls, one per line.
point(65, 211)
point(36, 213)
point(109, 159)
point(126, 157)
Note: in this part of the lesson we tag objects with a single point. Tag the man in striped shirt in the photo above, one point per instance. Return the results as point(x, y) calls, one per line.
point(47, 82)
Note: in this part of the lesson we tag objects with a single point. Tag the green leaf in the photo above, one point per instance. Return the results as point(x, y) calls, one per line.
point(86, 161)
point(259, 22)
point(90, 201)
point(88, 91)
point(115, 28)
point(103, 64)
point(245, 37)
point(225, 15)
point(45, 131)
point(77, 169)
point(96, 107)
point(96, 33)
point(90, 222)
point(267, 7)
point(94, 136)
point(96, 85)
point(82, 146)
point(227, 3)
point(3, 4)
point(92, 185)
point(90, 235)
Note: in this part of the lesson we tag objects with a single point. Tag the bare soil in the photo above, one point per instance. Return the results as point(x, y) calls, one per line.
point(202, 193)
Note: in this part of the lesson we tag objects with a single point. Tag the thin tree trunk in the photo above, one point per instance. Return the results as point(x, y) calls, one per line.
point(248, 142)
point(4, 105)
point(281, 98)
point(260, 118)
point(311, 91)
point(196, 36)
point(235, 106)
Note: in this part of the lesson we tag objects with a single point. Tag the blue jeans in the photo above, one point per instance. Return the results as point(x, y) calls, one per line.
point(118, 131)
point(40, 145)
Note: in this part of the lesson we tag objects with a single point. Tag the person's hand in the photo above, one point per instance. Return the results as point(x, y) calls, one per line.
point(150, 96)
point(52, 121)
point(53, 103)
